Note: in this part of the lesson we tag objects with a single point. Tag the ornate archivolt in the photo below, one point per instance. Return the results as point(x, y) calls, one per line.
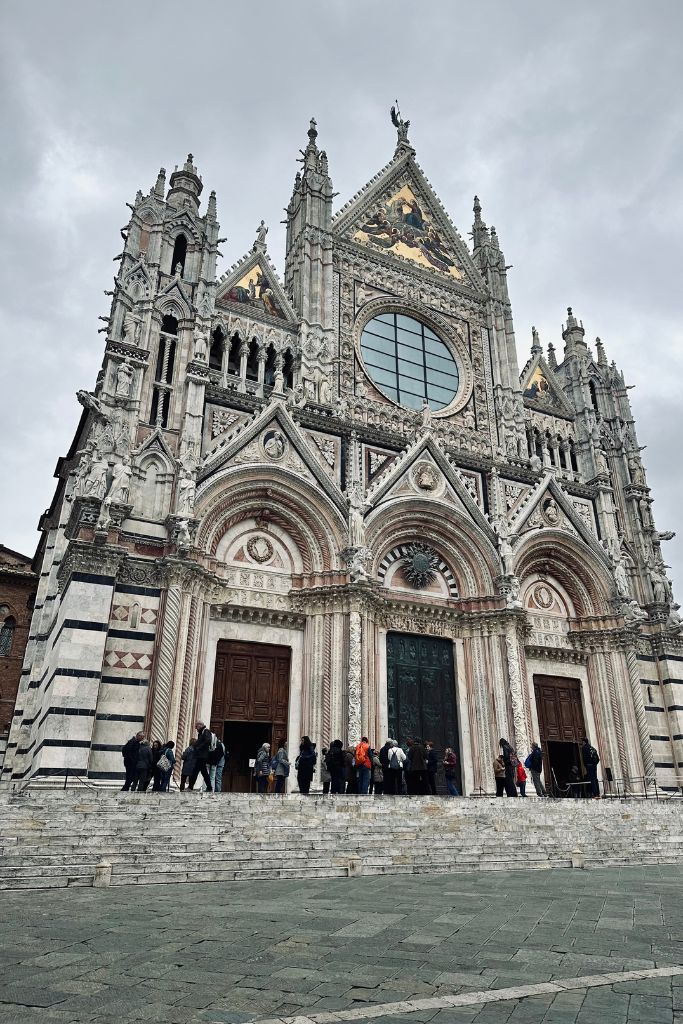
point(584, 578)
point(463, 548)
point(315, 528)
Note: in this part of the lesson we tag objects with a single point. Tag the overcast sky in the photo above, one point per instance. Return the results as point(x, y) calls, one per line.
point(566, 120)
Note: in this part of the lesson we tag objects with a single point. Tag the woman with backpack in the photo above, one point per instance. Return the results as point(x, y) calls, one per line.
point(280, 765)
point(164, 768)
point(305, 765)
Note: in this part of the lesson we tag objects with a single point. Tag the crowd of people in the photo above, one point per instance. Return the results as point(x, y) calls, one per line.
point(393, 770)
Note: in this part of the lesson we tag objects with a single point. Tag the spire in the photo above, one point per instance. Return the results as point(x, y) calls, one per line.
point(535, 343)
point(186, 185)
point(310, 154)
point(480, 233)
point(159, 188)
point(602, 355)
point(573, 333)
point(552, 358)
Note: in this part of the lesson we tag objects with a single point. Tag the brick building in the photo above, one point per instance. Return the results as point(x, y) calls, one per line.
point(17, 590)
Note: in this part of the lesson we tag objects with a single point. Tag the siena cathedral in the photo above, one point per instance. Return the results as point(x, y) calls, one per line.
point(333, 503)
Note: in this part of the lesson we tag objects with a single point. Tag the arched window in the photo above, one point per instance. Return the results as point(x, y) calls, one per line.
point(252, 361)
point(163, 377)
point(7, 636)
point(216, 354)
point(234, 356)
point(179, 254)
point(269, 373)
point(288, 369)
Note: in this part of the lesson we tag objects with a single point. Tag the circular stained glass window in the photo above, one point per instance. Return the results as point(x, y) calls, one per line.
point(408, 362)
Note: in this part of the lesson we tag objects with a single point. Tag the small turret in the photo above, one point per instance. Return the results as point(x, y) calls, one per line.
point(552, 358)
point(536, 347)
point(159, 188)
point(573, 334)
point(602, 355)
point(480, 233)
point(186, 186)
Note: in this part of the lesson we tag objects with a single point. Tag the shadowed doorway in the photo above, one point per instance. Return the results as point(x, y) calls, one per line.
point(249, 705)
point(561, 724)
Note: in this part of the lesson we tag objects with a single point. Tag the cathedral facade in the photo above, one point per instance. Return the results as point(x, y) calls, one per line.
point(334, 504)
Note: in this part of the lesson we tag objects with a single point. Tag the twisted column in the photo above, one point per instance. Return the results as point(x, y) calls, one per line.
point(160, 694)
point(355, 677)
point(639, 707)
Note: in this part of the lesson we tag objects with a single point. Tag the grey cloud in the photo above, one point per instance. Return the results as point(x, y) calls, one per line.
point(565, 121)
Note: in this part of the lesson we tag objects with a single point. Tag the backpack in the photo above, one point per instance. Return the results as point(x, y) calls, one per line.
point(394, 762)
point(216, 751)
point(362, 756)
point(593, 755)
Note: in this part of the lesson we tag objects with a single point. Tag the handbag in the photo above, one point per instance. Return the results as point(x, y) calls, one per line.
point(163, 764)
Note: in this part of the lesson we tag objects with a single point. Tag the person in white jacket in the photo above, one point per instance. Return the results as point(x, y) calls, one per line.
point(393, 781)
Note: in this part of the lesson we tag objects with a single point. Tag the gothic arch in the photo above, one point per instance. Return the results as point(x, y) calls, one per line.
point(462, 546)
point(296, 505)
point(581, 573)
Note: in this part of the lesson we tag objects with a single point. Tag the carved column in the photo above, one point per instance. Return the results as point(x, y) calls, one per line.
point(519, 716)
point(355, 682)
point(244, 353)
point(639, 709)
point(261, 371)
point(159, 705)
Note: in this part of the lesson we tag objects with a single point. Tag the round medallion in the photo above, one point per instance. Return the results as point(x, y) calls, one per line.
point(260, 549)
point(274, 445)
point(543, 597)
point(419, 565)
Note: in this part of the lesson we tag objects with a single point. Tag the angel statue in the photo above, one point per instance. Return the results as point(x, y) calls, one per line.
point(399, 124)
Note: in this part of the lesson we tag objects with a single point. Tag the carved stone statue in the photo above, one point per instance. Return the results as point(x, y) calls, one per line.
point(552, 512)
point(132, 327)
point(182, 537)
point(96, 483)
point(178, 269)
point(426, 414)
point(274, 446)
point(506, 554)
point(356, 518)
point(468, 419)
point(621, 578)
point(261, 232)
point(186, 492)
point(601, 462)
point(645, 513)
point(632, 612)
point(201, 347)
point(636, 469)
point(124, 379)
point(324, 393)
point(120, 484)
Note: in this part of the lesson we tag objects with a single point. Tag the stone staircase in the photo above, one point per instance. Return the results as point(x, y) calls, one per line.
point(52, 839)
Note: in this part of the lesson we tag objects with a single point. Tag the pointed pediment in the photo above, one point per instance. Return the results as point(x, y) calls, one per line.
point(155, 442)
point(252, 287)
point(399, 215)
point(426, 471)
point(138, 282)
point(542, 390)
point(274, 440)
point(549, 507)
point(174, 299)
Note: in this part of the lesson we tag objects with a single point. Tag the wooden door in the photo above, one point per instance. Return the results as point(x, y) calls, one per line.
point(250, 703)
point(561, 723)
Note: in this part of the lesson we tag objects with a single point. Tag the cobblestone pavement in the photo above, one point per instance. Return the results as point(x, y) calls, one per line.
point(366, 947)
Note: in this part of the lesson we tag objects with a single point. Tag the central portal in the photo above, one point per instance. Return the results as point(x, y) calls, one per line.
point(249, 705)
point(421, 691)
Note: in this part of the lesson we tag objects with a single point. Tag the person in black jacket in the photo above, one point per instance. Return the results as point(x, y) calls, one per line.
point(130, 758)
point(416, 771)
point(432, 766)
point(591, 761)
point(145, 767)
point(510, 762)
point(336, 766)
point(384, 754)
point(202, 746)
point(305, 765)
point(534, 763)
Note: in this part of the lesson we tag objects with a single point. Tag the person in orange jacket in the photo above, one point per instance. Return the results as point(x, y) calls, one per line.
point(521, 779)
point(363, 765)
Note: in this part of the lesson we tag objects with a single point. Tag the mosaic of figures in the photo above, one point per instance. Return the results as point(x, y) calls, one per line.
point(538, 389)
point(403, 226)
point(253, 289)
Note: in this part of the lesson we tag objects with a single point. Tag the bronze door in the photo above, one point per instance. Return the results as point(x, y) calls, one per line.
point(250, 704)
point(561, 724)
point(421, 692)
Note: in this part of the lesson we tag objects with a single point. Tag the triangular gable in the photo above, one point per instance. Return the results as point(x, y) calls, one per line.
point(399, 215)
point(401, 467)
point(138, 282)
point(155, 442)
point(531, 514)
point(174, 293)
point(252, 285)
point(541, 389)
point(277, 416)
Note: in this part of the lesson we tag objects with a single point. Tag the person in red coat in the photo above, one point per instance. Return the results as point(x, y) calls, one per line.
point(521, 779)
